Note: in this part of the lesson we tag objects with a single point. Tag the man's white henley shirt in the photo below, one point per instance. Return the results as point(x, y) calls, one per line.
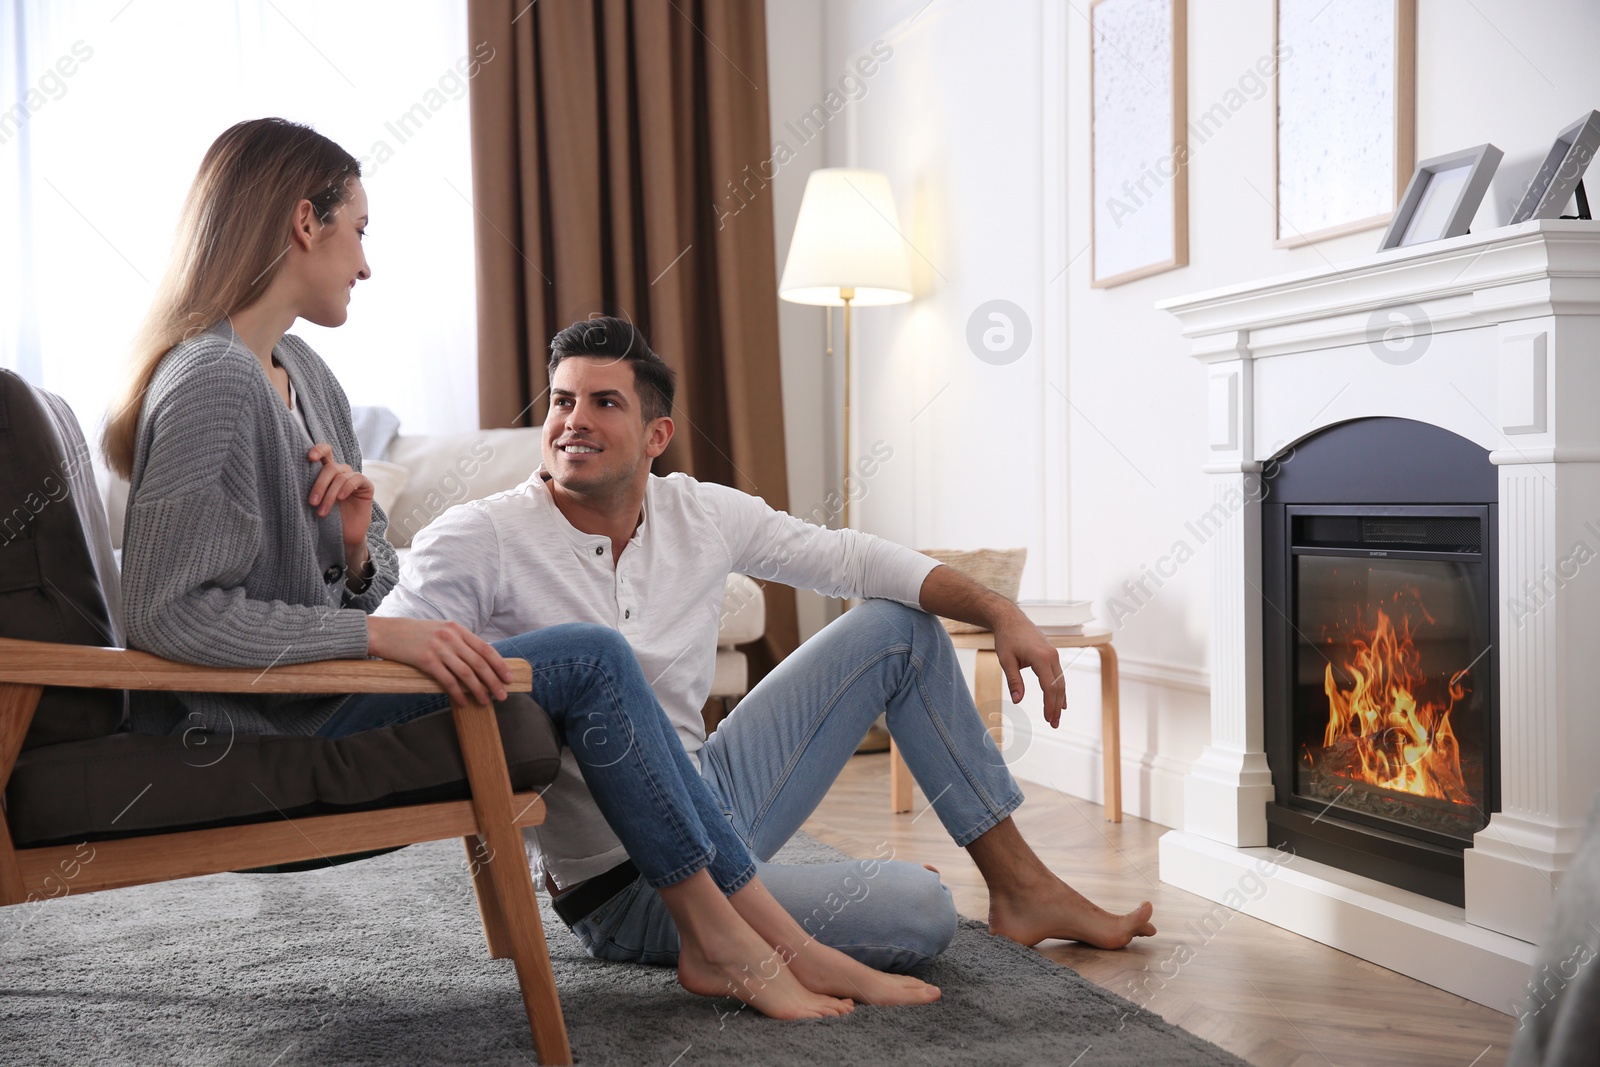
point(512, 563)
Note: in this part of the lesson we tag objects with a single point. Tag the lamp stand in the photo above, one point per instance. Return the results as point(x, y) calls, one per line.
point(847, 295)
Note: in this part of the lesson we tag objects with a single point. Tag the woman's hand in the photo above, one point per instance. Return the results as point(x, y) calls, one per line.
point(341, 484)
point(449, 653)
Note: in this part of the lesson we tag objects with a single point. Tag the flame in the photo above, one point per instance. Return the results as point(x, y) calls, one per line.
point(1402, 744)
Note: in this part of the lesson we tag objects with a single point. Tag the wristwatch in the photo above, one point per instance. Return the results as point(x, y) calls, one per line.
point(360, 583)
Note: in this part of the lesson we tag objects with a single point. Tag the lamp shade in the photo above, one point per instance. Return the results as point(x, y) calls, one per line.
point(847, 237)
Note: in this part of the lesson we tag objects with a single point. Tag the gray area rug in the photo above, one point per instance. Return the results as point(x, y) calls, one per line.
point(383, 962)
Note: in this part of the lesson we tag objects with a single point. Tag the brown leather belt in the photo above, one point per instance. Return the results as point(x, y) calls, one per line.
point(591, 894)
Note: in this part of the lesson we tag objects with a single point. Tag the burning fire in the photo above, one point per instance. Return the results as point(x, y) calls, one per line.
point(1399, 743)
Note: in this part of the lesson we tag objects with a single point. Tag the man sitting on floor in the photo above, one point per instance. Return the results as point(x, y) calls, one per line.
point(593, 536)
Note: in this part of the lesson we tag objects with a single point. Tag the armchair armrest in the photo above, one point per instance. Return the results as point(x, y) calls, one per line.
point(28, 666)
point(45, 663)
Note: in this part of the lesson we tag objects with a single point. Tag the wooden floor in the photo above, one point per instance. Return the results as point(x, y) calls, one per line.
point(1269, 996)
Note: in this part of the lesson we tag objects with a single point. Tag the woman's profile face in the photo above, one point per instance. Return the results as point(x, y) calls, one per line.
point(336, 261)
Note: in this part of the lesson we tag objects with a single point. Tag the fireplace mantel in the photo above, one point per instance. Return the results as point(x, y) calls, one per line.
point(1495, 337)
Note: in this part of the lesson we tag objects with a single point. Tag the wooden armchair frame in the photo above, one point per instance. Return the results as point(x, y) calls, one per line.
point(490, 822)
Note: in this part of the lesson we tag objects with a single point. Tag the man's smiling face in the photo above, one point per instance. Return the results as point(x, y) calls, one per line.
point(596, 442)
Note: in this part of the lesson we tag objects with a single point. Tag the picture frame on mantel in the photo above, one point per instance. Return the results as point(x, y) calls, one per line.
point(1344, 98)
point(1442, 198)
point(1138, 142)
point(1561, 173)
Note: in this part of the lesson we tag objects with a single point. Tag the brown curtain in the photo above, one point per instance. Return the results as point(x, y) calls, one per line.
point(618, 148)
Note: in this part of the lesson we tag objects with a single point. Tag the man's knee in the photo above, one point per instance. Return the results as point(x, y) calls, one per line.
point(925, 907)
point(897, 621)
point(601, 641)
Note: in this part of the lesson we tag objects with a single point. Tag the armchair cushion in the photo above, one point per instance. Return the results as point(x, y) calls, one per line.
point(58, 581)
point(127, 784)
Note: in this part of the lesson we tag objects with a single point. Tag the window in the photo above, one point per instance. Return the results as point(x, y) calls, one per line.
point(105, 112)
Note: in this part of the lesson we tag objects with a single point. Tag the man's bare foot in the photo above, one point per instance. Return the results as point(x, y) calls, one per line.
point(756, 974)
point(1028, 903)
point(1058, 910)
point(823, 969)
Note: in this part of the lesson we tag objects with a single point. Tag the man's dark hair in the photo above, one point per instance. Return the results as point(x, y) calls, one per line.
point(605, 337)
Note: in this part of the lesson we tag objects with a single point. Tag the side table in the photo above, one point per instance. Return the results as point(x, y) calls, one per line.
point(989, 691)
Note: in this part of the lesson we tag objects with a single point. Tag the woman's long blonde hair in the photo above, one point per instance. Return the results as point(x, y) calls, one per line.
point(232, 236)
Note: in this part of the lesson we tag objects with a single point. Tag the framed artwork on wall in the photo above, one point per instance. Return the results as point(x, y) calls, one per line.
point(1138, 149)
point(1345, 97)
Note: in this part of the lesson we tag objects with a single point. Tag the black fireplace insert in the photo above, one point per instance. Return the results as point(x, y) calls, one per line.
point(1379, 626)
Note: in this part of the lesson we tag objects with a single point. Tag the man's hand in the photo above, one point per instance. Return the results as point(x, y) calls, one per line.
point(452, 655)
point(1017, 641)
point(1018, 644)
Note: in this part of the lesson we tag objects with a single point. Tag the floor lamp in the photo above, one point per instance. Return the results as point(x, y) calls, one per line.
point(847, 250)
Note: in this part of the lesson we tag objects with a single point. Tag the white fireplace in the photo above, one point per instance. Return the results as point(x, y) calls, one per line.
point(1495, 338)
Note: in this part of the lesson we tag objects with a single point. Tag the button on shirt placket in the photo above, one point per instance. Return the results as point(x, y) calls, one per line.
point(624, 602)
point(623, 611)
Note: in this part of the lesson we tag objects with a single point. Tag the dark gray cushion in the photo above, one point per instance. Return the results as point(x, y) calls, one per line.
point(57, 578)
point(86, 790)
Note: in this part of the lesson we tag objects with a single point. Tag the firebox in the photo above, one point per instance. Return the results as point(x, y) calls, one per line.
point(1379, 627)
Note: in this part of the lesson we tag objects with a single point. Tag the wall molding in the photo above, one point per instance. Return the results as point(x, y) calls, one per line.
point(1155, 672)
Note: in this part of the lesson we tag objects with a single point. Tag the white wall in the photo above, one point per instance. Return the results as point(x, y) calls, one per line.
point(795, 76)
point(1088, 448)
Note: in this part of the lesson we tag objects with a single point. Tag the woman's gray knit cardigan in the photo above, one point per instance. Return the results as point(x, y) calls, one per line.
point(224, 562)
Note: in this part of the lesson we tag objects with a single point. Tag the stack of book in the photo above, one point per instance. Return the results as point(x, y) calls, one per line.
point(1058, 616)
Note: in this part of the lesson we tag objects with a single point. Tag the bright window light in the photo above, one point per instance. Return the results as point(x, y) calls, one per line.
point(105, 111)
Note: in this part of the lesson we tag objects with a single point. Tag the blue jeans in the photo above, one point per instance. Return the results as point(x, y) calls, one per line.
point(588, 681)
point(772, 761)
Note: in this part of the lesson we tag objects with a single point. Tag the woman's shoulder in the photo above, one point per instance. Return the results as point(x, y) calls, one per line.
point(199, 404)
point(220, 357)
